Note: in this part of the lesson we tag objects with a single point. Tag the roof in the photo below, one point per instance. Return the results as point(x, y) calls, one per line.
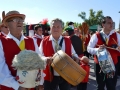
point(93, 27)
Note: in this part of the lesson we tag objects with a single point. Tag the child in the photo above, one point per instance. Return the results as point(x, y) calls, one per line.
point(85, 65)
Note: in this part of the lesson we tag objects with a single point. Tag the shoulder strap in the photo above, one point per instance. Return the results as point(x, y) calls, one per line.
point(101, 35)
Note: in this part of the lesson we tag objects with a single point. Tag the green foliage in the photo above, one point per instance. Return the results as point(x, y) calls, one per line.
point(24, 27)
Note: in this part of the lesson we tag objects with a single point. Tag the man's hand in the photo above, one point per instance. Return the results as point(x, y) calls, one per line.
point(77, 60)
point(41, 87)
point(49, 60)
point(118, 48)
point(102, 47)
point(21, 88)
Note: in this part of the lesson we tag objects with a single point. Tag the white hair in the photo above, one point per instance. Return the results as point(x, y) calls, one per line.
point(59, 20)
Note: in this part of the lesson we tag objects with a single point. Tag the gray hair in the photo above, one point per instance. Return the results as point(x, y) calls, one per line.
point(59, 20)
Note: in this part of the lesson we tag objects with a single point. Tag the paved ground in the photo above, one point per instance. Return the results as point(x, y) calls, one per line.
point(92, 82)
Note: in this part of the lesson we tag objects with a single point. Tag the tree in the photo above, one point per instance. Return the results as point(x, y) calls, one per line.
point(24, 27)
point(94, 17)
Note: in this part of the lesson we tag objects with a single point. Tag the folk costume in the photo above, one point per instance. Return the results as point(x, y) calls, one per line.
point(47, 48)
point(9, 47)
point(110, 41)
point(76, 41)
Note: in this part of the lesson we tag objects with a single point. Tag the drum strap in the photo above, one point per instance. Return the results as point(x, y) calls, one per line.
point(101, 35)
point(105, 41)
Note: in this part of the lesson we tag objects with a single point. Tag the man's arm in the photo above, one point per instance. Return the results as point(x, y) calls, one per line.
point(92, 43)
point(6, 79)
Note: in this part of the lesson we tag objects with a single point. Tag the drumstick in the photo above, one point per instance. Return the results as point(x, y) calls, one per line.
point(108, 47)
point(115, 41)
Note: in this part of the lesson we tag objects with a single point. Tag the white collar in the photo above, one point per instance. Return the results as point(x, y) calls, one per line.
point(14, 38)
point(39, 36)
point(52, 39)
point(111, 32)
point(4, 34)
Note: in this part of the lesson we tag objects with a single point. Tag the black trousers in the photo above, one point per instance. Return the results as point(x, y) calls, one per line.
point(103, 81)
point(57, 81)
point(87, 54)
point(118, 65)
point(82, 86)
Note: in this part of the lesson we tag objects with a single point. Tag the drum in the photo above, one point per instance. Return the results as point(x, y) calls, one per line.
point(106, 62)
point(67, 68)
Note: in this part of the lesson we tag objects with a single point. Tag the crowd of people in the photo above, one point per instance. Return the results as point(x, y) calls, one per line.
point(70, 41)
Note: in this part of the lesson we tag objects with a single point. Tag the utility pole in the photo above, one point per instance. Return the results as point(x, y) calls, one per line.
point(119, 22)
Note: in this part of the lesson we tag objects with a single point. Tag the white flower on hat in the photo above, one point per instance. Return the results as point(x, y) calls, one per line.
point(28, 60)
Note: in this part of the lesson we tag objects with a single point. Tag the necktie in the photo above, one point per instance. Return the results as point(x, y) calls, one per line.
point(22, 45)
point(56, 46)
point(107, 41)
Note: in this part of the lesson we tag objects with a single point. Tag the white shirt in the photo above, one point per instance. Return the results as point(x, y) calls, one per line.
point(93, 41)
point(62, 48)
point(6, 78)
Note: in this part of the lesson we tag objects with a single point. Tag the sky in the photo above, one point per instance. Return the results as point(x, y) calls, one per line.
point(67, 10)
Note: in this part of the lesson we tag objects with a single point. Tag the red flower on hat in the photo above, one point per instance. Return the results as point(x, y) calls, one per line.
point(44, 21)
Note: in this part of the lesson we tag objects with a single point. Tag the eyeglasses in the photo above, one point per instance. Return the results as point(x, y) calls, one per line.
point(17, 20)
point(4, 27)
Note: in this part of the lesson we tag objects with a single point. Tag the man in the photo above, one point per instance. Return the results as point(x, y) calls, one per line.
point(106, 37)
point(86, 41)
point(10, 46)
point(76, 41)
point(48, 49)
point(77, 32)
point(38, 34)
point(71, 24)
point(3, 30)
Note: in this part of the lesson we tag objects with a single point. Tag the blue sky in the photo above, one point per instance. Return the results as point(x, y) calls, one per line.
point(67, 10)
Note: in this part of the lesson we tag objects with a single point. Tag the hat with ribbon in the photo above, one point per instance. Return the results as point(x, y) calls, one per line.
point(11, 14)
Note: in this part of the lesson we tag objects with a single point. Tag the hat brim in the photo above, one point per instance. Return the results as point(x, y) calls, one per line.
point(11, 16)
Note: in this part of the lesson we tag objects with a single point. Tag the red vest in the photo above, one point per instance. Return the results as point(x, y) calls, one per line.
point(114, 54)
point(87, 39)
point(49, 51)
point(10, 49)
point(38, 40)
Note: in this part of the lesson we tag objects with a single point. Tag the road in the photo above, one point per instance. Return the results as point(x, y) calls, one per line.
point(92, 82)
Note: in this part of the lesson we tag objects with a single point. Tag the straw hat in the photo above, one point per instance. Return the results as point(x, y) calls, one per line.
point(11, 14)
